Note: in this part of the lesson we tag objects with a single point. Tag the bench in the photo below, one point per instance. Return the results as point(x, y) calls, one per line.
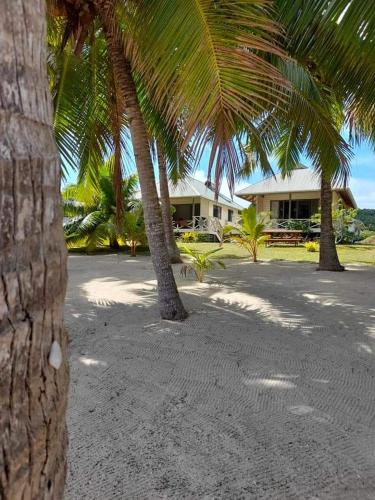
point(294, 240)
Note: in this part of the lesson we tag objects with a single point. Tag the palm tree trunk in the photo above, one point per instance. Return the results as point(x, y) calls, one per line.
point(113, 243)
point(173, 251)
point(33, 394)
point(170, 304)
point(133, 249)
point(328, 258)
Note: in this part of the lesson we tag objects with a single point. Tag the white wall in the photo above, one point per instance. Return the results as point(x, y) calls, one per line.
point(207, 207)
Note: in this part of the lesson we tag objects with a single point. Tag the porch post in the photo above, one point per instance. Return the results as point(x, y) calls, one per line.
point(193, 214)
point(290, 206)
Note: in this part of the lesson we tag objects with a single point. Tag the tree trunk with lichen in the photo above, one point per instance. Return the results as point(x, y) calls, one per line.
point(173, 251)
point(33, 394)
point(170, 303)
point(328, 258)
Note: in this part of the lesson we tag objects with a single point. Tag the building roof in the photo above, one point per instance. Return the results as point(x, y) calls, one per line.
point(193, 187)
point(301, 180)
point(190, 187)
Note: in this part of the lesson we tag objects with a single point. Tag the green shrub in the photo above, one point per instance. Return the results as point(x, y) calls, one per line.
point(189, 237)
point(311, 246)
point(366, 234)
point(298, 225)
point(205, 237)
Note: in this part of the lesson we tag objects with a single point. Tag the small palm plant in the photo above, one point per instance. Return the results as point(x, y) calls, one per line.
point(134, 230)
point(249, 235)
point(201, 262)
point(90, 209)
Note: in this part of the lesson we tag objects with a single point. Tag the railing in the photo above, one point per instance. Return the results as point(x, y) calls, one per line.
point(304, 224)
point(203, 224)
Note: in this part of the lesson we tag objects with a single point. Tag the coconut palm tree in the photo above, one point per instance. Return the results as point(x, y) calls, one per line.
point(331, 53)
point(334, 44)
point(34, 369)
point(202, 83)
point(91, 210)
point(166, 210)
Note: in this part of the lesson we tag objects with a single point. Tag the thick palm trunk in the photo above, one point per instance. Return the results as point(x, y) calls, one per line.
point(328, 258)
point(33, 393)
point(173, 251)
point(170, 303)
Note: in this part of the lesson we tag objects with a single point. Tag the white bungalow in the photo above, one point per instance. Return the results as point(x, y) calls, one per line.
point(196, 208)
point(295, 198)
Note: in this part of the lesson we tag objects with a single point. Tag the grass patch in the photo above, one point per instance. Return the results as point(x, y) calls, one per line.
point(348, 254)
point(361, 254)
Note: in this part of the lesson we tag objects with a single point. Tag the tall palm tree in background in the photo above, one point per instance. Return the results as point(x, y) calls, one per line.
point(334, 44)
point(166, 209)
point(213, 98)
point(214, 78)
point(331, 61)
point(34, 376)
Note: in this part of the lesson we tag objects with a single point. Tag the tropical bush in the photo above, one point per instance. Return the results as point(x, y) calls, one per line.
point(201, 262)
point(90, 209)
point(189, 237)
point(206, 237)
point(134, 230)
point(250, 234)
point(366, 234)
point(311, 246)
point(299, 225)
point(346, 226)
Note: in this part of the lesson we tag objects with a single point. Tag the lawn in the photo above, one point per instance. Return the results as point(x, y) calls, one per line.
point(363, 254)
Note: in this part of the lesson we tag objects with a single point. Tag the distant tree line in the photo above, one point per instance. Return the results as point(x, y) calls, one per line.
point(367, 216)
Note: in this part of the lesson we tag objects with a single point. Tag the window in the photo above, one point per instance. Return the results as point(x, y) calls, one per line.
point(217, 211)
point(230, 215)
point(298, 209)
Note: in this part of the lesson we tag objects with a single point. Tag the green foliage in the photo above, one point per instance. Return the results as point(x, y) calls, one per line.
point(134, 232)
point(189, 237)
point(311, 246)
point(299, 225)
point(249, 235)
point(346, 226)
point(205, 237)
point(365, 234)
point(90, 209)
point(367, 216)
point(201, 262)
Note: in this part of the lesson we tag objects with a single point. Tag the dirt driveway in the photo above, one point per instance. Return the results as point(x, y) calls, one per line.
point(267, 391)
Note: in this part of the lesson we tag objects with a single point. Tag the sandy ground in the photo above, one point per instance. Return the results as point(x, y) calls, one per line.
point(267, 391)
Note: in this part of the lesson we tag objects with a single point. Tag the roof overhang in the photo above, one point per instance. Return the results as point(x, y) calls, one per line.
point(347, 196)
point(249, 195)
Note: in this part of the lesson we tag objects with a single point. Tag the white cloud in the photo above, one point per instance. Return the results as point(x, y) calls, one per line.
point(363, 191)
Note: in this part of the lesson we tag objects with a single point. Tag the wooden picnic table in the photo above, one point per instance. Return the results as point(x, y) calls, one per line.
point(286, 236)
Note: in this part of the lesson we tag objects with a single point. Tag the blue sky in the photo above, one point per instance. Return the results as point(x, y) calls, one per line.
point(362, 181)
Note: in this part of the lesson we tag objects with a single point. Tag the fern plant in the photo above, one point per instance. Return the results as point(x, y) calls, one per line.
point(200, 262)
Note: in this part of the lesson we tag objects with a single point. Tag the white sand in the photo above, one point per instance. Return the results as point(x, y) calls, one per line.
point(267, 391)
